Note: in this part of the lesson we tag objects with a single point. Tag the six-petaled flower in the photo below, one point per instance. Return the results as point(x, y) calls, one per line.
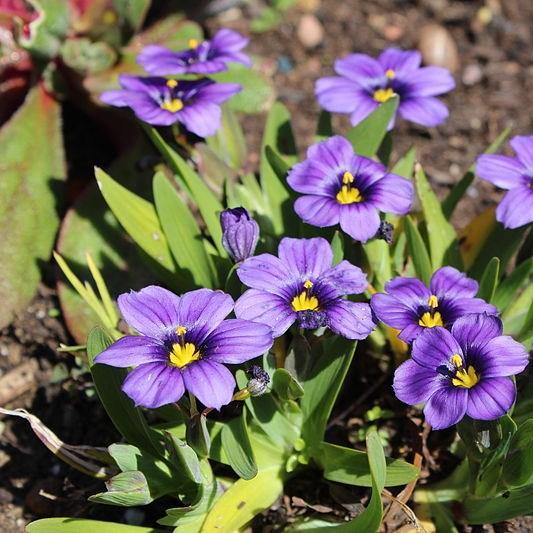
point(463, 372)
point(202, 57)
point(183, 345)
point(340, 187)
point(411, 307)
point(516, 175)
point(301, 285)
point(162, 102)
point(363, 83)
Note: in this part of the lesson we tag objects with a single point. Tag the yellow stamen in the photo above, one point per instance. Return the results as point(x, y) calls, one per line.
point(181, 356)
point(347, 178)
point(349, 195)
point(465, 379)
point(390, 74)
point(172, 83)
point(173, 105)
point(181, 330)
point(429, 320)
point(304, 302)
point(433, 301)
point(193, 43)
point(382, 95)
point(456, 360)
point(308, 284)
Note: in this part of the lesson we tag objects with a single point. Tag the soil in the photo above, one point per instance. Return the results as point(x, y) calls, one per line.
point(494, 90)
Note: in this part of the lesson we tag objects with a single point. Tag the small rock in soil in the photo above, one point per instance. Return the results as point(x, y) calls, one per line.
point(310, 31)
point(438, 47)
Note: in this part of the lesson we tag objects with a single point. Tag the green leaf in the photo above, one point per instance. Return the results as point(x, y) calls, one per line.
point(133, 12)
point(489, 280)
point(83, 525)
point(368, 135)
point(184, 457)
point(204, 198)
point(337, 246)
point(237, 447)
point(518, 465)
point(126, 489)
point(197, 435)
point(324, 128)
point(257, 90)
point(406, 164)
point(527, 327)
point(33, 171)
point(508, 288)
point(418, 251)
point(285, 386)
point(139, 219)
point(377, 253)
point(183, 236)
point(279, 166)
point(278, 135)
point(243, 500)
point(443, 242)
point(450, 202)
point(322, 387)
point(128, 419)
point(346, 465)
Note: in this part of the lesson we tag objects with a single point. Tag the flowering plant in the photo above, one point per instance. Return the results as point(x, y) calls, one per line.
point(243, 301)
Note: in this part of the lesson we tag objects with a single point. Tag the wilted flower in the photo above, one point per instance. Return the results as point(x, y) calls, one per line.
point(161, 102)
point(516, 175)
point(202, 57)
point(343, 188)
point(411, 307)
point(258, 382)
point(240, 233)
point(363, 83)
point(301, 285)
point(463, 372)
point(183, 343)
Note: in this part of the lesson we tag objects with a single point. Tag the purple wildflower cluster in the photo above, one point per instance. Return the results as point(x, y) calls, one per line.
point(196, 103)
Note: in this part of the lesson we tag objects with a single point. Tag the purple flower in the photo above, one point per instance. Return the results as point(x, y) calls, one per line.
point(463, 372)
point(202, 57)
point(161, 102)
point(182, 344)
point(301, 285)
point(516, 175)
point(363, 83)
point(343, 188)
point(411, 307)
point(240, 233)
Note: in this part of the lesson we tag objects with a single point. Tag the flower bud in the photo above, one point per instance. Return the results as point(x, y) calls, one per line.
point(240, 233)
point(258, 382)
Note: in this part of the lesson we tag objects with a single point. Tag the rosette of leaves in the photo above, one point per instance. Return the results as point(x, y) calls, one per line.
point(55, 51)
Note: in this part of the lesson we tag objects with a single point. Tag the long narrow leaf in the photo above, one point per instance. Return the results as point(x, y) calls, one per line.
point(489, 280)
point(418, 251)
point(237, 447)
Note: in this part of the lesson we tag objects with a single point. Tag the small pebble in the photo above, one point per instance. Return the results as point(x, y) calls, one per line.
point(438, 47)
point(472, 74)
point(310, 31)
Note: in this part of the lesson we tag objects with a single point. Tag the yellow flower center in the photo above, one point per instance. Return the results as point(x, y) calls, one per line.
point(465, 379)
point(181, 330)
point(430, 320)
point(305, 301)
point(193, 43)
point(172, 83)
point(433, 301)
point(390, 74)
point(382, 95)
point(347, 193)
point(183, 354)
point(173, 105)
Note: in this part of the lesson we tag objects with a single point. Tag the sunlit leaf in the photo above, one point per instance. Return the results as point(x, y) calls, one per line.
point(83, 525)
point(237, 447)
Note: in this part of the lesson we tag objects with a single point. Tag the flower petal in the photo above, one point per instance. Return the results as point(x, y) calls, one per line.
point(317, 210)
point(350, 319)
point(360, 68)
point(424, 110)
point(153, 385)
point(152, 311)
point(364, 105)
point(266, 308)
point(504, 172)
point(202, 118)
point(430, 81)
point(447, 282)
point(434, 347)
point(523, 146)
point(341, 280)
point(516, 208)
point(338, 95)
point(475, 330)
point(161, 61)
point(452, 310)
point(414, 383)
point(218, 93)
point(201, 311)
point(446, 407)
point(211, 382)
point(333, 153)
point(360, 221)
point(268, 273)
point(410, 291)
point(401, 61)
point(392, 194)
point(491, 398)
point(236, 341)
point(133, 350)
point(308, 258)
point(501, 356)
point(393, 311)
